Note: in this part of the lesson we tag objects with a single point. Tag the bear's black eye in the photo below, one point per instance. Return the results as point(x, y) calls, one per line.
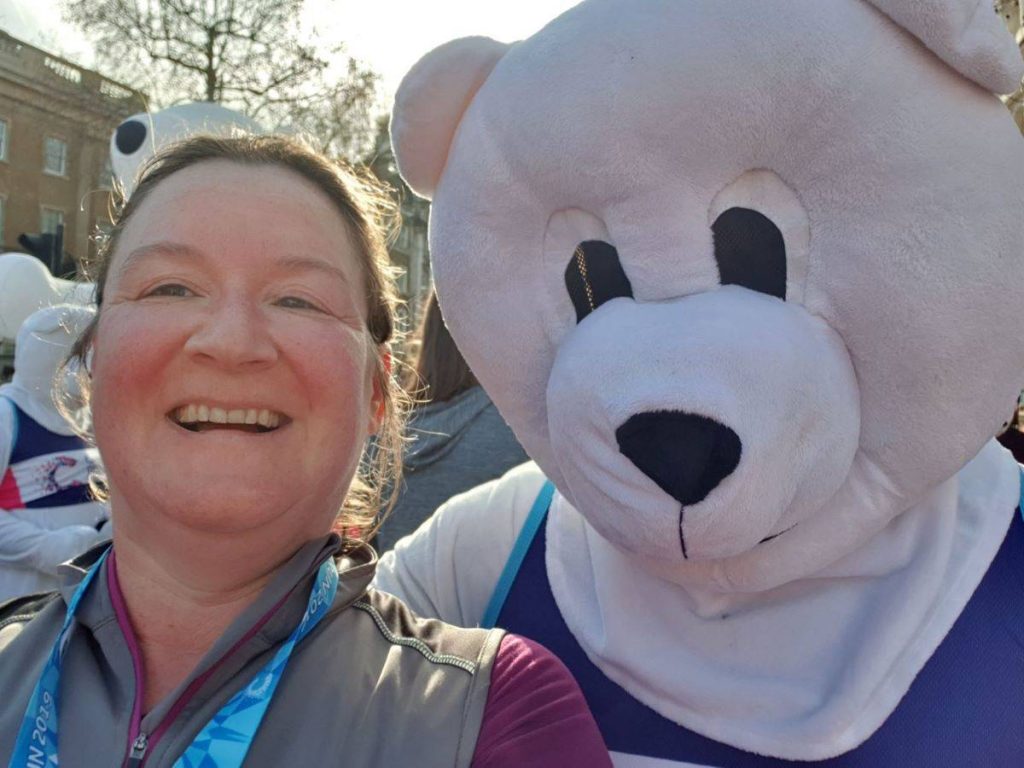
point(129, 136)
point(594, 276)
point(750, 252)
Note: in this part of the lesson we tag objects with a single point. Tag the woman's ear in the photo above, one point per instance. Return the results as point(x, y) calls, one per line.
point(430, 103)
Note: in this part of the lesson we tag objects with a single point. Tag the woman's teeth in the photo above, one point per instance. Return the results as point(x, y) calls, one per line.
point(198, 414)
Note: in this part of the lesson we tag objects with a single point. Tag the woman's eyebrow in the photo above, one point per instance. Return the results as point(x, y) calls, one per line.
point(189, 253)
point(298, 263)
point(161, 248)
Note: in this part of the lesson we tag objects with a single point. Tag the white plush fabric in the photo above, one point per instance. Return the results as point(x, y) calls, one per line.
point(43, 343)
point(799, 421)
point(806, 671)
point(34, 541)
point(433, 97)
point(966, 34)
point(870, 135)
point(26, 286)
point(141, 136)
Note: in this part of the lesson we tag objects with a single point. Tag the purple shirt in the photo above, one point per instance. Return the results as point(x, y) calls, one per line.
point(535, 714)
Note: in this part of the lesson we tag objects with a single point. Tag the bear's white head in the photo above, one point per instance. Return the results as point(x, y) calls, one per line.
point(732, 271)
point(140, 136)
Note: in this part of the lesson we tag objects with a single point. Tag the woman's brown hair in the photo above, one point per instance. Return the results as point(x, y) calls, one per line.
point(439, 371)
point(370, 214)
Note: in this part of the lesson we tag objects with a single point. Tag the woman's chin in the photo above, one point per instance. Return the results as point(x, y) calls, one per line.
point(235, 511)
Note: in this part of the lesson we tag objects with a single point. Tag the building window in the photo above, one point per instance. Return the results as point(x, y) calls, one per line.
point(3, 139)
point(55, 156)
point(51, 219)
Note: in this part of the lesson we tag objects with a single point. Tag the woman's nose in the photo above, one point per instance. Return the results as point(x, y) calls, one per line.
point(233, 334)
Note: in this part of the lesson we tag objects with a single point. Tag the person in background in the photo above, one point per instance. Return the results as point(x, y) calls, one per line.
point(47, 511)
point(1011, 437)
point(459, 439)
point(237, 364)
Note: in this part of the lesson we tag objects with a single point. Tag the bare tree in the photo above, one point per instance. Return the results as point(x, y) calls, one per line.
point(1013, 15)
point(342, 123)
point(251, 55)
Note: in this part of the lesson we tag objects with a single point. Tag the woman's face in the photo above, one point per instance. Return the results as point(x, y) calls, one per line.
point(235, 293)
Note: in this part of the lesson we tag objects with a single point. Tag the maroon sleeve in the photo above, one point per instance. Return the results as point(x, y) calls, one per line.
point(535, 716)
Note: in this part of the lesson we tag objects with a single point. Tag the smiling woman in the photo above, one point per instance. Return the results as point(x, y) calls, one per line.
point(236, 366)
point(264, 216)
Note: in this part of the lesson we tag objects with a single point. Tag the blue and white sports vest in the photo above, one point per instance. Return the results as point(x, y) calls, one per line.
point(965, 709)
point(45, 469)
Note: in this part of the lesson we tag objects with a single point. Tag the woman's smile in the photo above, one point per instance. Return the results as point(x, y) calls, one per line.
point(200, 417)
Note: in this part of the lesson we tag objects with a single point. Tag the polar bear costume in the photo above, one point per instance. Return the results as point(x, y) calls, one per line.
point(47, 511)
point(732, 273)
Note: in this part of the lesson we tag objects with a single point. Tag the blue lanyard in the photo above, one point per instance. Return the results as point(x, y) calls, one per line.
point(223, 742)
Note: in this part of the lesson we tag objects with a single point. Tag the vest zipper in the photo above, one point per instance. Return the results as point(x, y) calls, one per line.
point(138, 753)
point(139, 747)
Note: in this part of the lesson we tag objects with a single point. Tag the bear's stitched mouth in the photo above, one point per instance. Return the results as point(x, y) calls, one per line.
point(776, 535)
point(766, 539)
point(682, 537)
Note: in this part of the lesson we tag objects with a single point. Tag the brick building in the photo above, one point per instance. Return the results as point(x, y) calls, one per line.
point(55, 124)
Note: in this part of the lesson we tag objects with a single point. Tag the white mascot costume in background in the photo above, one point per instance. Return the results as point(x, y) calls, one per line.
point(734, 273)
point(26, 285)
point(47, 513)
point(140, 136)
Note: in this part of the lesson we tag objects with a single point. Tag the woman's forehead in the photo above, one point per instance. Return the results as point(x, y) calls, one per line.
point(226, 205)
point(227, 189)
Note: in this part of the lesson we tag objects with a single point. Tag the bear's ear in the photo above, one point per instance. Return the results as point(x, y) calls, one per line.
point(430, 103)
point(966, 34)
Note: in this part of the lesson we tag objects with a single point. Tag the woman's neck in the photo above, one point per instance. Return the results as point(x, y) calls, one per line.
point(179, 610)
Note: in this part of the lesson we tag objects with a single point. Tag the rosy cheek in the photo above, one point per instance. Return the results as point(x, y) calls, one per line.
point(128, 349)
point(335, 371)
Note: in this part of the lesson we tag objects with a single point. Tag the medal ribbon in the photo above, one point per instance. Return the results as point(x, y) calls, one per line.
point(223, 742)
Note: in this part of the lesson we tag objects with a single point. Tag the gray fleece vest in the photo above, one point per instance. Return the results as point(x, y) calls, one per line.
point(371, 685)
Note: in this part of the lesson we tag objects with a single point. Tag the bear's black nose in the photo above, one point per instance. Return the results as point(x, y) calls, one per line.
point(685, 454)
point(129, 137)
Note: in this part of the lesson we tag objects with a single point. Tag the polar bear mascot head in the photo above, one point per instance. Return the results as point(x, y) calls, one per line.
point(140, 136)
point(732, 272)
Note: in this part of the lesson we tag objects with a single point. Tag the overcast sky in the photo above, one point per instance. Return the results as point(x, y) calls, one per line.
point(390, 35)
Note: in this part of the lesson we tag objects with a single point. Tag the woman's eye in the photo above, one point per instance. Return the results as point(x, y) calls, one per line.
point(294, 302)
point(175, 290)
point(750, 251)
point(594, 275)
